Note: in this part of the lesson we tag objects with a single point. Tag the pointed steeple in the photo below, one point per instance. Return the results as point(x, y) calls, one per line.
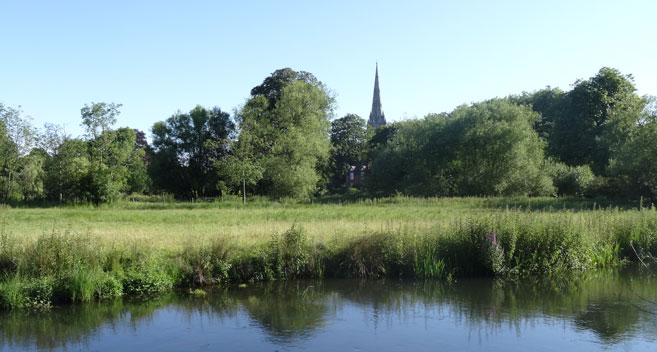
point(377, 117)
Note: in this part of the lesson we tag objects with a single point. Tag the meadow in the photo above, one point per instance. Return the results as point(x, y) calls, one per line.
point(53, 255)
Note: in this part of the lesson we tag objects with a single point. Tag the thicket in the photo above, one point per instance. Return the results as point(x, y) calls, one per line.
point(598, 139)
point(65, 267)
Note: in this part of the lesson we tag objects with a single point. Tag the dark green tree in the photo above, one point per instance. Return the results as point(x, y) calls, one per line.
point(397, 163)
point(272, 87)
point(600, 114)
point(32, 174)
point(67, 170)
point(186, 147)
point(349, 142)
point(549, 103)
point(138, 179)
point(634, 165)
point(488, 148)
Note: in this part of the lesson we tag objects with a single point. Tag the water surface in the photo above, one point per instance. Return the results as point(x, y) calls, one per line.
point(603, 311)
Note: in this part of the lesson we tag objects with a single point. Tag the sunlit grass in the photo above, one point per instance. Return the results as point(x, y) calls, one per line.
point(80, 253)
point(173, 224)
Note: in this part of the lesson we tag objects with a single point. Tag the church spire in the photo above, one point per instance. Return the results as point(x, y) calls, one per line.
point(377, 117)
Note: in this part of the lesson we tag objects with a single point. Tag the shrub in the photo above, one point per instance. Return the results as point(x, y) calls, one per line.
point(291, 253)
point(204, 265)
point(146, 282)
point(572, 180)
point(18, 292)
point(84, 284)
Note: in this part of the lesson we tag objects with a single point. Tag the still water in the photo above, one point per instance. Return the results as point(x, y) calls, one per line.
point(603, 311)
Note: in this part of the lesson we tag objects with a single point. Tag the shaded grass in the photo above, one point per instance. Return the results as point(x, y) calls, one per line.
point(442, 239)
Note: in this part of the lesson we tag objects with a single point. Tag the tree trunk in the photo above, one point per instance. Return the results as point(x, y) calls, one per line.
point(243, 188)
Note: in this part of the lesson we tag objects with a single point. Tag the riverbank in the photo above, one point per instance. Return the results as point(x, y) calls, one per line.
point(418, 239)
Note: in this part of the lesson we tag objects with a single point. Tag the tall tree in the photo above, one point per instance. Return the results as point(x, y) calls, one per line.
point(288, 139)
point(111, 152)
point(67, 170)
point(138, 179)
point(186, 148)
point(242, 167)
point(601, 112)
point(52, 141)
point(17, 138)
point(349, 141)
point(272, 87)
point(105, 176)
point(549, 102)
point(31, 175)
point(489, 148)
point(634, 165)
point(97, 119)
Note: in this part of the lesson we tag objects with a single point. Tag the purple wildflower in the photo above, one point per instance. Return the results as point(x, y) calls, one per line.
point(493, 238)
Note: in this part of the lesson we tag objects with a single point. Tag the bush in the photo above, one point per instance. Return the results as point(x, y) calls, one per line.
point(605, 187)
point(18, 292)
point(572, 180)
point(291, 253)
point(84, 284)
point(146, 282)
point(204, 265)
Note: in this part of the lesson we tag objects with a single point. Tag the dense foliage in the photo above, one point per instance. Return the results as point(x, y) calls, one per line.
point(596, 139)
point(484, 149)
point(349, 137)
point(288, 137)
point(185, 148)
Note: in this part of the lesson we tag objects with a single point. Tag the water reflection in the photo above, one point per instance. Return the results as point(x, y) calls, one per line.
point(613, 308)
point(287, 310)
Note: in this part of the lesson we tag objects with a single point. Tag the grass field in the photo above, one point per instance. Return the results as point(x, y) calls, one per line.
point(171, 225)
point(49, 255)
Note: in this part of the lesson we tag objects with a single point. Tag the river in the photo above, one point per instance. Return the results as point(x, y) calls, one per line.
point(615, 310)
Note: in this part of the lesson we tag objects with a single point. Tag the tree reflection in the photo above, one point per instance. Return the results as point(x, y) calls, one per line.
point(287, 310)
point(75, 324)
point(608, 304)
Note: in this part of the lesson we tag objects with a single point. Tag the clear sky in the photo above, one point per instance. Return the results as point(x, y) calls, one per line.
point(157, 57)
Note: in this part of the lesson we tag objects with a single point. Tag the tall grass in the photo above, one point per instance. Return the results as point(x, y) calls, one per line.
point(67, 266)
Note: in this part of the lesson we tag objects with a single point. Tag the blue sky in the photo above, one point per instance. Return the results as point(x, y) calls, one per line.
point(157, 57)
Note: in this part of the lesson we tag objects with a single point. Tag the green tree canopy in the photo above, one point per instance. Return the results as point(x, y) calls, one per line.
point(17, 138)
point(272, 87)
point(635, 163)
point(67, 171)
point(349, 142)
point(600, 114)
point(550, 103)
point(290, 139)
point(186, 148)
point(488, 148)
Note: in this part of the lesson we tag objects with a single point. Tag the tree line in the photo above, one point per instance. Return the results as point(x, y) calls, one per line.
point(599, 138)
